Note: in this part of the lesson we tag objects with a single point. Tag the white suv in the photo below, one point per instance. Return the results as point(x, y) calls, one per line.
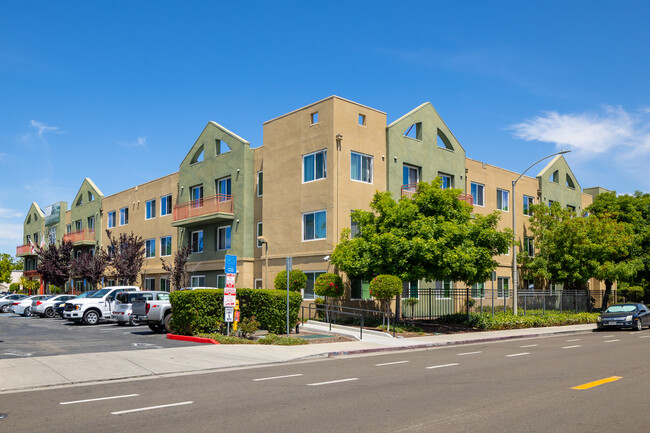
point(95, 307)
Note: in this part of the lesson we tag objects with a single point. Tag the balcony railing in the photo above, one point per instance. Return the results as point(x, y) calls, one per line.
point(409, 189)
point(24, 249)
point(32, 273)
point(80, 236)
point(219, 203)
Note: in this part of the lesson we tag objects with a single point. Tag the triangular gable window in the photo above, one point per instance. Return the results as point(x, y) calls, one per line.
point(414, 131)
point(80, 200)
point(29, 219)
point(35, 217)
point(222, 147)
point(198, 156)
point(443, 141)
point(569, 182)
point(555, 177)
point(91, 197)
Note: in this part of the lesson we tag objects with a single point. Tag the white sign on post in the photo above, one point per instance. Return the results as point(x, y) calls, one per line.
point(229, 296)
point(230, 314)
point(230, 281)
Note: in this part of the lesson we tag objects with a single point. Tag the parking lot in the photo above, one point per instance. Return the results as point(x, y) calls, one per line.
point(34, 336)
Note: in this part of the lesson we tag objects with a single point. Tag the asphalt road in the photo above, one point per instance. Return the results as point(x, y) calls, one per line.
point(35, 336)
point(511, 386)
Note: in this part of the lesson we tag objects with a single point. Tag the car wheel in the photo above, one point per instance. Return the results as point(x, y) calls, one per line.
point(49, 313)
point(4, 308)
point(91, 317)
point(27, 312)
point(156, 328)
point(167, 323)
point(639, 325)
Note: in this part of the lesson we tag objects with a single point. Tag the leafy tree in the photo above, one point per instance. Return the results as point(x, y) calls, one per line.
point(126, 256)
point(329, 285)
point(7, 265)
point(30, 285)
point(178, 270)
point(431, 235)
point(385, 288)
point(91, 267)
point(54, 263)
point(297, 280)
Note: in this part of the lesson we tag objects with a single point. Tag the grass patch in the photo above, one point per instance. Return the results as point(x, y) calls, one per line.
point(532, 319)
point(403, 327)
point(277, 340)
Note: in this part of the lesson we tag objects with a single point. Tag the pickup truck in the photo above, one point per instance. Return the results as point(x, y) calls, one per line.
point(156, 313)
point(91, 309)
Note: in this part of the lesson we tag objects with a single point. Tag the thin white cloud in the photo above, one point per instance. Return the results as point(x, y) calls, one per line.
point(589, 133)
point(139, 142)
point(42, 128)
point(9, 213)
point(11, 233)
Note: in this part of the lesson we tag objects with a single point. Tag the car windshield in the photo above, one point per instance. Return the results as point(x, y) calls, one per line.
point(621, 309)
point(100, 293)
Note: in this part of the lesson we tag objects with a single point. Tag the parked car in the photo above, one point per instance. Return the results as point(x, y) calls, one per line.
point(60, 306)
point(156, 313)
point(123, 309)
point(91, 309)
point(24, 306)
point(45, 307)
point(6, 300)
point(628, 315)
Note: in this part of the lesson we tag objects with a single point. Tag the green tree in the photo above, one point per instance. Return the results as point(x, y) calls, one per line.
point(7, 265)
point(385, 288)
point(297, 280)
point(431, 235)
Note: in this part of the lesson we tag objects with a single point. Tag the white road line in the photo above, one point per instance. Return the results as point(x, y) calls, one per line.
point(391, 363)
point(607, 336)
point(644, 336)
point(611, 341)
point(518, 354)
point(276, 377)
point(572, 347)
point(333, 381)
point(574, 339)
point(469, 353)
point(99, 399)
point(141, 409)
point(529, 345)
point(443, 365)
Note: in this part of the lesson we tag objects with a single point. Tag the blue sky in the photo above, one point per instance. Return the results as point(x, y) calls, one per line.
point(119, 91)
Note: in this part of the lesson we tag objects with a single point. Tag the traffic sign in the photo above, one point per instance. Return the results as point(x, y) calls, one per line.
point(231, 264)
point(230, 314)
point(229, 297)
point(230, 281)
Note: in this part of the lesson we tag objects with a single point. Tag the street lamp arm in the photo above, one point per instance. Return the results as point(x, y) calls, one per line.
point(561, 152)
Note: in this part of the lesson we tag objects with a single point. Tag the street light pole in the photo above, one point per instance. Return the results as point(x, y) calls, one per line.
point(515, 276)
point(266, 266)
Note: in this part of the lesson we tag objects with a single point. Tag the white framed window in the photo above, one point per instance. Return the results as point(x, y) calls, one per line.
point(478, 194)
point(165, 246)
point(354, 228)
point(77, 228)
point(91, 223)
point(150, 211)
point(443, 289)
point(503, 287)
point(164, 284)
point(196, 242)
point(258, 283)
point(197, 281)
point(314, 225)
point(51, 235)
point(124, 216)
point(150, 284)
point(529, 246)
point(166, 205)
point(447, 180)
point(410, 175)
point(68, 228)
point(260, 183)
point(196, 195)
point(223, 238)
point(224, 189)
point(410, 289)
point(528, 202)
point(308, 292)
point(314, 166)
point(111, 219)
point(478, 290)
point(259, 233)
point(221, 281)
point(150, 248)
point(502, 200)
point(361, 167)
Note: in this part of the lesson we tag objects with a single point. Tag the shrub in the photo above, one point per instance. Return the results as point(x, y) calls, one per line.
point(329, 285)
point(202, 311)
point(280, 340)
point(297, 280)
point(632, 293)
point(14, 287)
point(508, 320)
point(385, 287)
point(247, 327)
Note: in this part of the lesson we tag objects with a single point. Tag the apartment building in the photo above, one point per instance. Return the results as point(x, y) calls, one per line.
point(292, 196)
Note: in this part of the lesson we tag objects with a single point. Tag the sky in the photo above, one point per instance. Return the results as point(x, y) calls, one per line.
point(119, 91)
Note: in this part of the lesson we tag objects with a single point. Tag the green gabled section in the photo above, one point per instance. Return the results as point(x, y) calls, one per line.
point(557, 183)
point(87, 203)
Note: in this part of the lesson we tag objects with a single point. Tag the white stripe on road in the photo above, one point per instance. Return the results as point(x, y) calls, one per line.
point(572, 347)
point(391, 363)
point(645, 336)
point(443, 365)
point(333, 381)
point(141, 409)
point(469, 353)
point(99, 399)
point(529, 345)
point(575, 339)
point(611, 341)
point(518, 354)
point(607, 336)
point(276, 377)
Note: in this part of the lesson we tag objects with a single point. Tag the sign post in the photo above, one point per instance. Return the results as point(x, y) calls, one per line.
point(289, 265)
point(229, 292)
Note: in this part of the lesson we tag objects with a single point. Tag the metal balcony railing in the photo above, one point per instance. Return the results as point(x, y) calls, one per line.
point(24, 249)
point(80, 236)
point(220, 203)
point(409, 189)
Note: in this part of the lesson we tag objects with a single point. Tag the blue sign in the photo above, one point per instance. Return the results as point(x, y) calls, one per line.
point(231, 264)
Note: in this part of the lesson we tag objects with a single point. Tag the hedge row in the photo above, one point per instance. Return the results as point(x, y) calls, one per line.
point(509, 321)
point(202, 311)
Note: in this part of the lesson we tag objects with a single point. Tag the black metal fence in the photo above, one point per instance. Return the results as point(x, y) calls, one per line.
point(431, 303)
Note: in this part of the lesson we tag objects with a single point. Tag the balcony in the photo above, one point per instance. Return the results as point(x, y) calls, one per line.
point(206, 210)
point(411, 188)
point(25, 250)
point(32, 273)
point(81, 237)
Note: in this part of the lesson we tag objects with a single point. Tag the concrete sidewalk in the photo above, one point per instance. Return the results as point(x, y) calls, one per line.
point(29, 373)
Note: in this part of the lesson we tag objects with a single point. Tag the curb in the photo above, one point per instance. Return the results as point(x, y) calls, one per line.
point(192, 339)
point(447, 343)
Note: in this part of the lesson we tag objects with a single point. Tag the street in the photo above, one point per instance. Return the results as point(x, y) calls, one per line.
point(513, 386)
